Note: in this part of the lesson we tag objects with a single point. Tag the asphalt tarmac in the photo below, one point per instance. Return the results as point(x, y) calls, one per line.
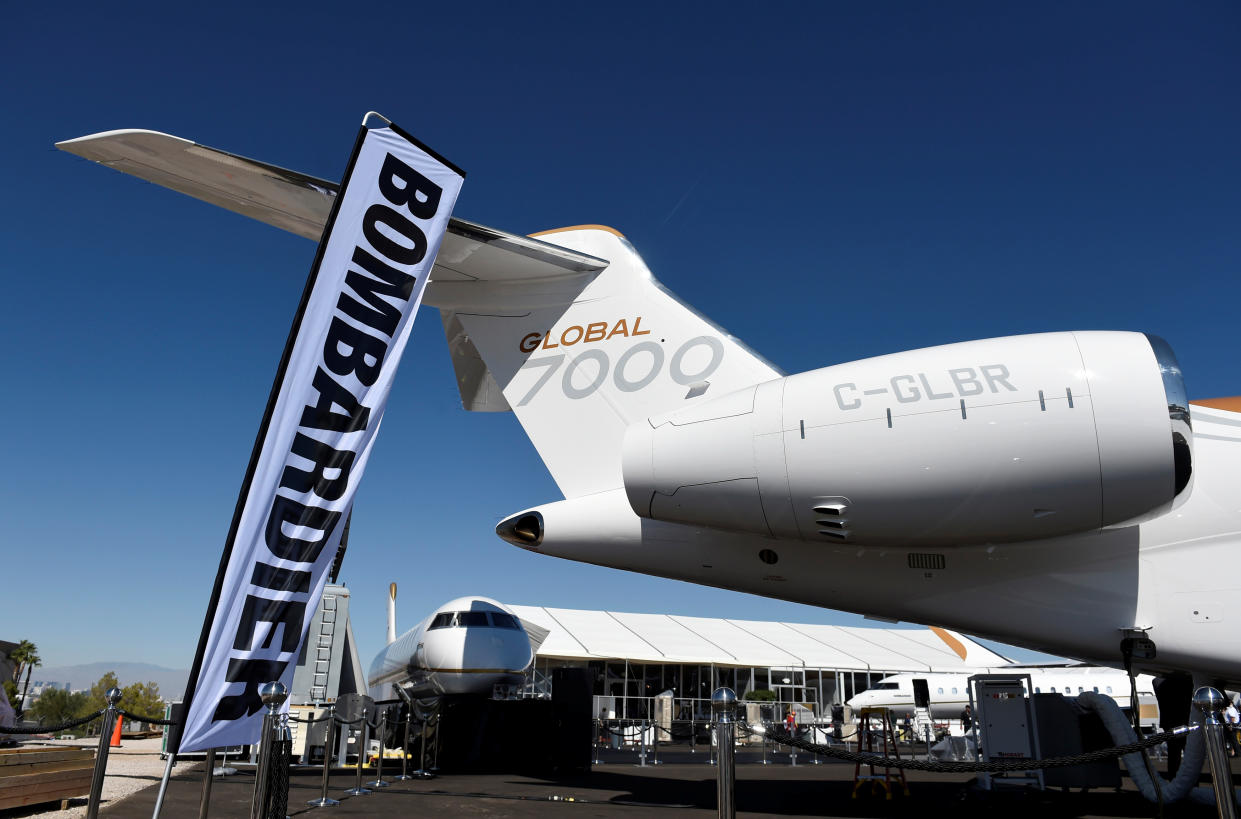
point(619, 787)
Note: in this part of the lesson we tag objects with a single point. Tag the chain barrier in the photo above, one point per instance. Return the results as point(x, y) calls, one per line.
point(51, 729)
point(784, 738)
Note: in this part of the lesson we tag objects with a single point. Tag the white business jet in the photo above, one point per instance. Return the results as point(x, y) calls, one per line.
point(467, 646)
point(1052, 491)
point(949, 693)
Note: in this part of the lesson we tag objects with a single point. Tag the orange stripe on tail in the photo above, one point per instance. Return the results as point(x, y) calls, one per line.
point(950, 641)
point(1232, 404)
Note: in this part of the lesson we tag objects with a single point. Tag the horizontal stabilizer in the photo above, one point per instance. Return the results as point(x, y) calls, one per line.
point(479, 269)
point(300, 204)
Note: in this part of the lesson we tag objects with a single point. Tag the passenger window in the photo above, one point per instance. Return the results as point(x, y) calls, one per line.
point(1096, 689)
point(1038, 690)
point(1053, 689)
point(1109, 689)
point(941, 690)
point(954, 690)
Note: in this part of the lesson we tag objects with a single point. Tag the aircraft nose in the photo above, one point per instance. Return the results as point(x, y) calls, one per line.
point(524, 530)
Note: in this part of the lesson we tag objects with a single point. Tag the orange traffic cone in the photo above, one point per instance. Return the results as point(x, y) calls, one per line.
point(116, 733)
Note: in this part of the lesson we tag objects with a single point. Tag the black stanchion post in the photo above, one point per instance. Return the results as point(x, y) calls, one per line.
point(323, 801)
point(379, 769)
point(1212, 704)
point(723, 706)
point(113, 696)
point(273, 695)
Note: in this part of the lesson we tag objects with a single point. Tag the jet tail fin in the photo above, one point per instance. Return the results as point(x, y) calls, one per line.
point(969, 650)
point(578, 359)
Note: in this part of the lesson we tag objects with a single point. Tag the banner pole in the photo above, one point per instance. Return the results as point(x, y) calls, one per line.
point(204, 801)
point(163, 786)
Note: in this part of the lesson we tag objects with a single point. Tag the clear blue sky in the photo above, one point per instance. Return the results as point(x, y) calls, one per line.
point(829, 181)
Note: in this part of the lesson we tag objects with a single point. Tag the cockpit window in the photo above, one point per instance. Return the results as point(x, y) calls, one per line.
point(888, 686)
point(473, 619)
point(501, 620)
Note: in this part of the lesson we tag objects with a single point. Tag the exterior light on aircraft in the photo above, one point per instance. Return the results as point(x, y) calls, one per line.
point(1137, 648)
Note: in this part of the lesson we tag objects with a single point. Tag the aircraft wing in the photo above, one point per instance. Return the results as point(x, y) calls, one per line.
point(478, 268)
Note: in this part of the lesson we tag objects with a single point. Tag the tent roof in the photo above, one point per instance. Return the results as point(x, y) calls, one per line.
point(668, 638)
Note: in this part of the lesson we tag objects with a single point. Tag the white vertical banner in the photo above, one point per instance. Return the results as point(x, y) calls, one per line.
point(322, 416)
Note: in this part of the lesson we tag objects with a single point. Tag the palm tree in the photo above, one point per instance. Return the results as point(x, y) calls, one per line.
point(25, 658)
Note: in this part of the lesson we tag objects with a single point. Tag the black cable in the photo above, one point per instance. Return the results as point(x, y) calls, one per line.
point(148, 720)
point(309, 720)
point(50, 729)
point(783, 738)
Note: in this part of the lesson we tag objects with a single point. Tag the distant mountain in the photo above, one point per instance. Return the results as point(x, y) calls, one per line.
point(171, 681)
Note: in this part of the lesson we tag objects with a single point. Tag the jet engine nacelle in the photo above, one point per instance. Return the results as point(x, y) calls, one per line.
point(990, 441)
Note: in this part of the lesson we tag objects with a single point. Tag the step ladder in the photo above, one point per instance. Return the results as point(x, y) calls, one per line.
point(874, 722)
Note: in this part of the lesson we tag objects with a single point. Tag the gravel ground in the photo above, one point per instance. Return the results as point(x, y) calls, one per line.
point(132, 767)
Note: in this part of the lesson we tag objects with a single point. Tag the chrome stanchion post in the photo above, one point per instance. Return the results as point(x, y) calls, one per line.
point(379, 765)
point(204, 800)
point(642, 745)
point(323, 801)
point(723, 705)
point(598, 731)
point(273, 695)
point(764, 743)
point(405, 747)
point(1212, 704)
point(363, 741)
point(655, 746)
point(422, 772)
point(113, 696)
point(435, 749)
